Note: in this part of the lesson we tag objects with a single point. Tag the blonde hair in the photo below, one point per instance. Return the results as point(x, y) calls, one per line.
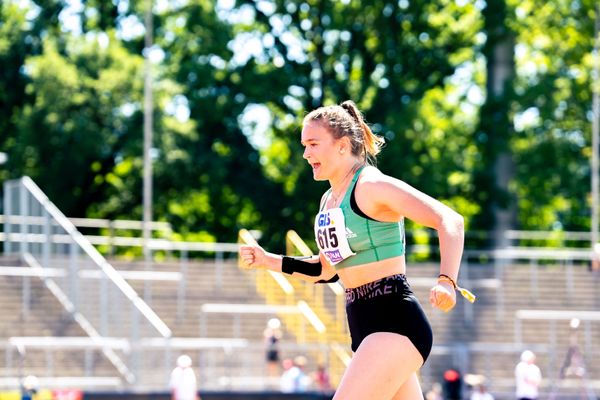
point(345, 120)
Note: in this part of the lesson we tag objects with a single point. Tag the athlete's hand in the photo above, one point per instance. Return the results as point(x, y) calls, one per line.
point(443, 296)
point(252, 256)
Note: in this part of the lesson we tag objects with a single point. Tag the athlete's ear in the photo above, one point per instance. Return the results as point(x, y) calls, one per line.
point(344, 145)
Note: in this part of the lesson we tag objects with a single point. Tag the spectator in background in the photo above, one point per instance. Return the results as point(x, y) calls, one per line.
point(480, 393)
point(29, 387)
point(435, 393)
point(528, 377)
point(573, 365)
point(321, 379)
point(286, 382)
point(183, 383)
point(294, 379)
point(452, 384)
point(272, 335)
point(477, 383)
point(595, 266)
point(30, 390)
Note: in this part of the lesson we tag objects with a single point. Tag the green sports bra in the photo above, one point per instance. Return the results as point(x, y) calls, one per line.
point(370, 240)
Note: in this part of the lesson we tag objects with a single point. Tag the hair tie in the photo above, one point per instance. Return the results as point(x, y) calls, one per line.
point(350, 110)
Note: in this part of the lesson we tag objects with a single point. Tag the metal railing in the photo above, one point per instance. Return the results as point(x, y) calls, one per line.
point(27, 273)
point(320, 297)
point(229, 363)
point(551, 317)
point(104, 307)
point(316, 293)
point(502, 259)
point(585, 354)
point(54, 250)
point(304, 314)
point(278, 290)
point(82, 352)
point(547, 238)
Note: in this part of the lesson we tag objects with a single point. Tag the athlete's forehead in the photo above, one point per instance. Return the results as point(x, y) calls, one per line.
point(314, 132)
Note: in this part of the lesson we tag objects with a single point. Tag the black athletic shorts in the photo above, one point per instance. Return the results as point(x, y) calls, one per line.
point(272, 355)
point(388, 305)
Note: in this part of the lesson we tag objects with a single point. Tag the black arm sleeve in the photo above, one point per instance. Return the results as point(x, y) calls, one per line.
point(289, 265)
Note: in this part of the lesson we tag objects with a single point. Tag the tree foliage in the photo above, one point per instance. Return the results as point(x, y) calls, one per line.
point(552, 143)
point(232, 81)
point(393, 61)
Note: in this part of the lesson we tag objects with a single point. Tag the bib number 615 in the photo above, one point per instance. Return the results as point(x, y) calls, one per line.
point(327, 238)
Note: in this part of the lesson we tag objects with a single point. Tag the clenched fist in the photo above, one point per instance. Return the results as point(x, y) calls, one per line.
point(253, 256)
point(443, 296)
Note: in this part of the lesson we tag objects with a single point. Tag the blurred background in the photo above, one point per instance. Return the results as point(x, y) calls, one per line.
point(142, 140)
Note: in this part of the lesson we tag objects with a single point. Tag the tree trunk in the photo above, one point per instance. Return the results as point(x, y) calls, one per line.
point(496, 128)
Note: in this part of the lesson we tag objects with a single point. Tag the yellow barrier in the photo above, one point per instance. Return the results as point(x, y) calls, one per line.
point(277, 289)
point(327, 328)
point(314, 294)
point(335, 333)
point(43, 394)
point(12, 395)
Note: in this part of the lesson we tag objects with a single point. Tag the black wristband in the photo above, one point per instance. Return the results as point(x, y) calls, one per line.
point(289, 265)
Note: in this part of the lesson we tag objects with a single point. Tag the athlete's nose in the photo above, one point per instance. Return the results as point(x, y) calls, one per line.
point(305, 155)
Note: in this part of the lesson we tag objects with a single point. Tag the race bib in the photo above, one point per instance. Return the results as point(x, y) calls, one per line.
point(330, 234)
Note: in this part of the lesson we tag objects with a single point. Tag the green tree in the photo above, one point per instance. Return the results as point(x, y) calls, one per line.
point(82, 119)
point(552, 142)
point(20, 37)
point(391, 58)
point(232, 83)
point(215, 184)
point(535, 126)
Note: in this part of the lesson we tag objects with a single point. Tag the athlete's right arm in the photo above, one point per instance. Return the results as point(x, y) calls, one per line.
point(306, 268)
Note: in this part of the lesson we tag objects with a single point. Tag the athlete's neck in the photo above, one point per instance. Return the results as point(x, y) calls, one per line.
point(339, 186)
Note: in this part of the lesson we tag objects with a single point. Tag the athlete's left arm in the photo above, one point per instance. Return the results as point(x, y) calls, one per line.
point(396, 199)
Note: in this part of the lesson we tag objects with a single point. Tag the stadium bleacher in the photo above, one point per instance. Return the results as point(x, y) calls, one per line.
point(227, 347)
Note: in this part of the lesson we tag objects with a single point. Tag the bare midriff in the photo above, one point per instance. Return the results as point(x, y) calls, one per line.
point(359, 275)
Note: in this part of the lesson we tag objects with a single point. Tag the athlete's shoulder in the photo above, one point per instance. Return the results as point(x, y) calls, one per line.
point(372, 175)
point(376, 181)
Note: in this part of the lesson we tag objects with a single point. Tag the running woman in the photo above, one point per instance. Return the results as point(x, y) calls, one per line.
point(359, 230)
